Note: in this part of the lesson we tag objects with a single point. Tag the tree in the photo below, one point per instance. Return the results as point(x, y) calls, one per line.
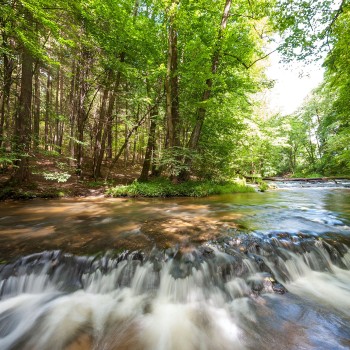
point(171, 82)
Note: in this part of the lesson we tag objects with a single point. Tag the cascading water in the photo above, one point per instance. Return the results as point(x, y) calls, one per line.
point(247, 292)
point(247, 271)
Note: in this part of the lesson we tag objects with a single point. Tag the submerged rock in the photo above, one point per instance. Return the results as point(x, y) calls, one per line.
point(262, 263)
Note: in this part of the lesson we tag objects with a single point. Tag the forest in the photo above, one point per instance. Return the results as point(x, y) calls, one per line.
point(151, 197)
point(170, 88)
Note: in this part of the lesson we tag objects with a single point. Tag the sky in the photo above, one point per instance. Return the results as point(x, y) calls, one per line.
point(290, 88)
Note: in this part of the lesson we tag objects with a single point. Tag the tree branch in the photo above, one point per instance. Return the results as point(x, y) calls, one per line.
point(262, 58)
point(337, 14)
point(247, 66)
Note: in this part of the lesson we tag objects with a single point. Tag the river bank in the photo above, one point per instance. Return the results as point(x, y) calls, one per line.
point(50, 179)
point(160, 187)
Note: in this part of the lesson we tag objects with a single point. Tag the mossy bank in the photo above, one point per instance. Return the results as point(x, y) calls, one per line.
point(165, 188)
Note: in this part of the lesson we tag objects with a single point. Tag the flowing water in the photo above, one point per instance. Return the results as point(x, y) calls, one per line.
point(245, 271)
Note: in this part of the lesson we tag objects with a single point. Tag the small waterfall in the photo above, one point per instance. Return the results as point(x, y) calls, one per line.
point(216, 296)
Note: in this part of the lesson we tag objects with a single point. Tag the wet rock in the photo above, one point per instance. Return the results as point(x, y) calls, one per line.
point(138, 255)
point(259, 262)
point(307, 245)
point(180, 269)
point(283, 235)
point(207, 252)
point(170, 252)
point(278, 288)
point(268, 282)
point(256, 285)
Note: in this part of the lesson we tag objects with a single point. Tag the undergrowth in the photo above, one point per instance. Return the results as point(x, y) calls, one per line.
point(165, 188)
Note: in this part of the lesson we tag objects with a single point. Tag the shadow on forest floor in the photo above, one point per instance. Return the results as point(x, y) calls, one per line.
point(39, 186)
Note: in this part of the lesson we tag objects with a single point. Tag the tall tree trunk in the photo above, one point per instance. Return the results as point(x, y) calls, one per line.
point(37, 106)
point(109, 150)
point(23, 117)
point(108, 120)
point(151, 144)
point(82, 112)
point(134, 149)
point(57, 109)
point(127, 145)
point(72, 106)
point(107, 131)
point(47, 109)
point(61, 110)
point(172, 82)
point(8, 64)
point(98, 139)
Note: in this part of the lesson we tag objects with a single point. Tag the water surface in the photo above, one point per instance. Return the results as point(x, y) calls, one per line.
point(244, 271)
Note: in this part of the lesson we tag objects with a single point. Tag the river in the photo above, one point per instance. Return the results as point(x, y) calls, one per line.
point(244, 271)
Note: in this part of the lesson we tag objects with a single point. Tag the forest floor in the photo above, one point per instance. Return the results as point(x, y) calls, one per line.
point(52, 177)
point(41, 186)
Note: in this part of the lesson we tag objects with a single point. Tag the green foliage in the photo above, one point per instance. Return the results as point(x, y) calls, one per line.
point(94, 184)
point(304, 27)
point(7, 159)
point(263, 186)
point(304, 174)
point(318, 140)
point(172, 160)
point(49, 153)
point(165, 188)
point(28, 193)
point(100, 183)
point(95, 56)
point(56, 176)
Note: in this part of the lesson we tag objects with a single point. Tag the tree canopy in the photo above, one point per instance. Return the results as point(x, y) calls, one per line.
point(170, 85)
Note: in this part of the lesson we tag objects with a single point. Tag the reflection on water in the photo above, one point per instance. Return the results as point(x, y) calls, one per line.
point(286, 285)
point(89, 226)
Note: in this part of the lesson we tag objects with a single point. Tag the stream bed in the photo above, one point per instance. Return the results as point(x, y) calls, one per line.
point(243, 271)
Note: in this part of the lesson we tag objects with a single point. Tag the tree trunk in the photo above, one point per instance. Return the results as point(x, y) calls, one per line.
point(107, 134)
point(61, 112)
point(72, 106)
point(127, 146)
point(151, 143)
point(37, 106)
point(47, 110)
point(23, 118)
point(98, 139)
point(82, 112)
point(7, 82)
point(172, 84)
point(127, 137)
point(57, 111)
point(109, 151)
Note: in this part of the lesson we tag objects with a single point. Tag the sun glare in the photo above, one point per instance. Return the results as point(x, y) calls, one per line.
point(293, 83)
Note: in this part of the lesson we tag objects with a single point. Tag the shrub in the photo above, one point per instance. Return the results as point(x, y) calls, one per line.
point(165, 188)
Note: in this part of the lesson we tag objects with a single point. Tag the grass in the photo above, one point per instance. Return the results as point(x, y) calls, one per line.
point(21, 194)
point(165, 188)
point(307, 175)
point(319, 175)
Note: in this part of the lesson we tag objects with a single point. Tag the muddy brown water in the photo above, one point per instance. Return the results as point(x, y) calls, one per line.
point(218, 293)
point(93, 225)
